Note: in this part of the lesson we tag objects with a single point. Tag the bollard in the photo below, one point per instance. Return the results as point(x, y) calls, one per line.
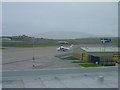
point(33, 65)
point(85, 74)
point(101, 78)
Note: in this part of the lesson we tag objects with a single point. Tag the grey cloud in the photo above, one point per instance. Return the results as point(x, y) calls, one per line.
point(30, 18)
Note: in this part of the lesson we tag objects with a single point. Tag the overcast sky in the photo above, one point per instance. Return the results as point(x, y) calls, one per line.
point(29, 18)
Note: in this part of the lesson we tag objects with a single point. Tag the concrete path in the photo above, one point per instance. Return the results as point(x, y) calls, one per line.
point(102, 77)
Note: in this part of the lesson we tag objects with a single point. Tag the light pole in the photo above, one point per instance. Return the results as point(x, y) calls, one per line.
point(33, 58)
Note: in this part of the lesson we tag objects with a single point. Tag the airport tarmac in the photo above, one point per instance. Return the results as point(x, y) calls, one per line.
point(51, 72)
point(14, 58)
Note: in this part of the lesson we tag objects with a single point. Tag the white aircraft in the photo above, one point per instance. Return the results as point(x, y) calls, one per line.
point(61, 48)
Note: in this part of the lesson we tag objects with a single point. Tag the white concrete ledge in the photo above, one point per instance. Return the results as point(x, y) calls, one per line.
point(58, 71)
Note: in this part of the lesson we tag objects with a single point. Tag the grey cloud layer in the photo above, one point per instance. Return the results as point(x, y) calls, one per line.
point(29, 18)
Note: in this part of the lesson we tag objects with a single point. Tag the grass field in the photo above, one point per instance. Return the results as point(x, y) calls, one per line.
point(30, 45)
point(38, 42)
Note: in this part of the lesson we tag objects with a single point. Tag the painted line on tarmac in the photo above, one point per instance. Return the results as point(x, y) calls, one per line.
point(18, 61)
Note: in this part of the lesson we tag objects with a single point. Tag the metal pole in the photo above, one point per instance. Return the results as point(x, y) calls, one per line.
point(104, 53)
point(33, 53)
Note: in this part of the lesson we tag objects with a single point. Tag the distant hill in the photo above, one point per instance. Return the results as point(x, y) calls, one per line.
point(65, 35)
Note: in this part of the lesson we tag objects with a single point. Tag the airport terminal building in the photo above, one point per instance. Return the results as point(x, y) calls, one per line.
point(99, 54)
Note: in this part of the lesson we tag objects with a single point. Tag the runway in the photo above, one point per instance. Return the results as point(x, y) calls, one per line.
point(22, 58)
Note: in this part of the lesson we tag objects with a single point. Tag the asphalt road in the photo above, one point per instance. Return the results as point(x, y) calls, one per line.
point(21, 58)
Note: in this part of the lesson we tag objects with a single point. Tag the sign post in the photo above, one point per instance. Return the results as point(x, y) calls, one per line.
point(103, 41)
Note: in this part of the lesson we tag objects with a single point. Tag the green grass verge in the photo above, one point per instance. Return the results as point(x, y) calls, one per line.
point(80, 62)
point(69, 58)
point(90, 65)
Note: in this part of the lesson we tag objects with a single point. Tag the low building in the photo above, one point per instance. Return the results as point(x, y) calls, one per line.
point(63, 42)
point(100, 55)
point(5, 39)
